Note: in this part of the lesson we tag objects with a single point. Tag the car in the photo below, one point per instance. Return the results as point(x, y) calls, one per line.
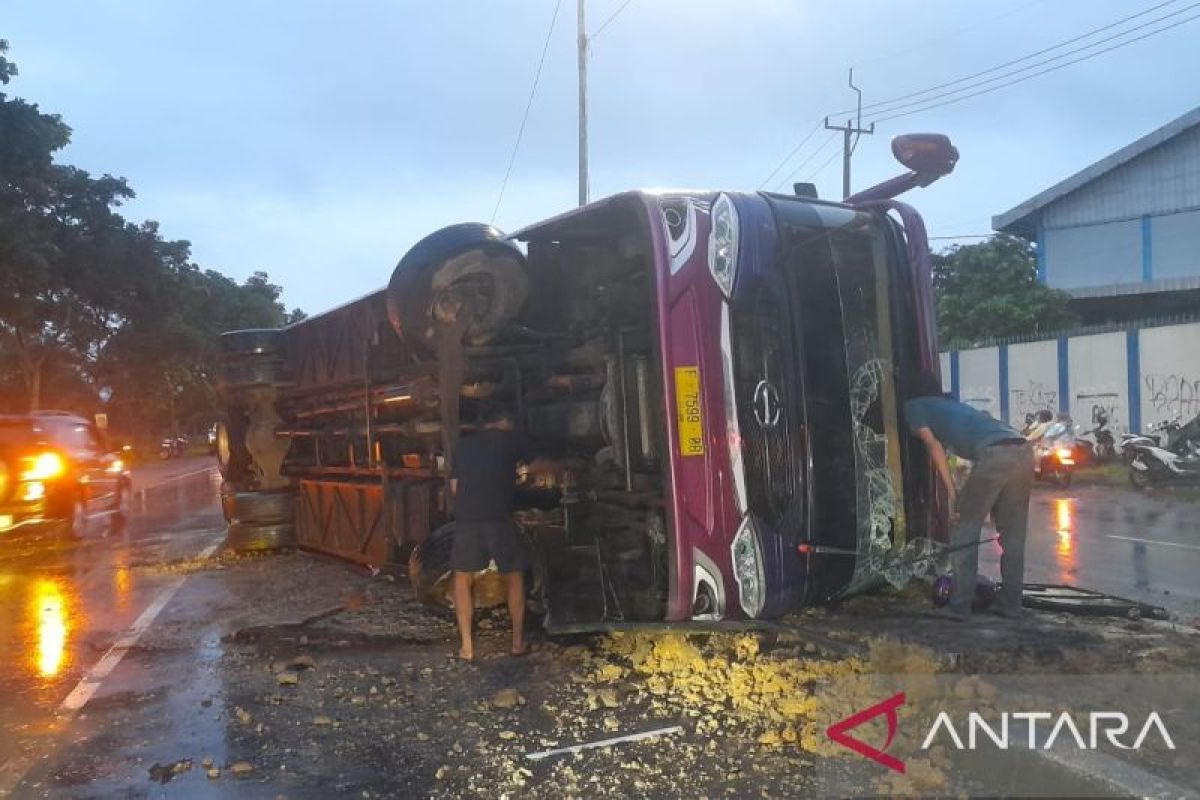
point(58, 471)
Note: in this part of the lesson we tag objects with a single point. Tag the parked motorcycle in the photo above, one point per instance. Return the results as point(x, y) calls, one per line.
point(1157, 466)
point(1156, 436)
point(1054, 455)
point(172, 447)
point(1098, 443)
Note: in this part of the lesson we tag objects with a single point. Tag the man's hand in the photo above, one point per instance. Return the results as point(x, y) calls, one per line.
point(937, 454)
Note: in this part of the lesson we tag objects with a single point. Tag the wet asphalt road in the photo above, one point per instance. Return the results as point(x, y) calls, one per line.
point(65, 604)
point(1141, 546)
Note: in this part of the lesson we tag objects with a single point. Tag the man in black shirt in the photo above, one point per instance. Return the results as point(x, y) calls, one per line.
point(482, 482)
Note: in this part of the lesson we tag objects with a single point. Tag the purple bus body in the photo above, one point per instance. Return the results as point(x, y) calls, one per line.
point(703, 514)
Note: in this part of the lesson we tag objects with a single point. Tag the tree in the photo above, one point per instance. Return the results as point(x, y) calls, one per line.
point(59, 237)
point(991, 289)
point(88, 299)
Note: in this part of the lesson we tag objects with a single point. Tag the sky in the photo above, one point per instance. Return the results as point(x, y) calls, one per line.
point(319, 140)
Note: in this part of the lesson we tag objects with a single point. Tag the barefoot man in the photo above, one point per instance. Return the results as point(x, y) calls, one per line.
point(483, 481)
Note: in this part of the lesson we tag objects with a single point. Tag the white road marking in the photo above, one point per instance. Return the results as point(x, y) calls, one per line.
point(1154, 541)
point(14, 771)
point(91, 681)
point(632, 737)
point(175, 478)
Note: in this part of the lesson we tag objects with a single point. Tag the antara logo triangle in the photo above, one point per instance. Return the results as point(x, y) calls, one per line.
point(838, 731)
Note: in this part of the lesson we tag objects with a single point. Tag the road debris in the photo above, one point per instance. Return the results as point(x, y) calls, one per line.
point(507, 699)
point(579, 748)
point(163, 773)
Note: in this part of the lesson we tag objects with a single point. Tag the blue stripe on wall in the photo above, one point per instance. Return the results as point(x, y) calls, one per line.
point(1064, 376)
point(1134, 369)
point(1004, 382)
point(1147, 250)
point(1041, 253)
point(954, 374)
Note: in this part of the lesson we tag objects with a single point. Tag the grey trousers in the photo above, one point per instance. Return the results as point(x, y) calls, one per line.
point(1000, 482)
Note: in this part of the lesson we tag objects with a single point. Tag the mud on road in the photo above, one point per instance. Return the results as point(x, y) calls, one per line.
point(291, 675)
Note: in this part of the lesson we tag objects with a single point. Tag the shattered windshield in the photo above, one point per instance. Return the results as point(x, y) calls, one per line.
point(846, 297)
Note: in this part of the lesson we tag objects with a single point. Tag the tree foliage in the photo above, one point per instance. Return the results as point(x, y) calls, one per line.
point(89, 299)
point(991, 289)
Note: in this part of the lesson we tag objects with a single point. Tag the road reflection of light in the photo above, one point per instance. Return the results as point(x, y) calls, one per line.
point(1062, 507)
point(123, 582)
point(51, 628)
point(1066, 538)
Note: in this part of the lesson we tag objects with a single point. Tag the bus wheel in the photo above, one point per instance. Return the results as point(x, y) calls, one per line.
point(469, 268)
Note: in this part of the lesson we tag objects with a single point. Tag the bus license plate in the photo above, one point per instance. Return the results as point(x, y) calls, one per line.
point(687, 403)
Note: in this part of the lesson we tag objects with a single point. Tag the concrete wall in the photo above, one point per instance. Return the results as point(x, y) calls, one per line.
point(1032, 379)
point(1170, 372)
point(979, 379)
point(1098, 375)
point(1137, 377)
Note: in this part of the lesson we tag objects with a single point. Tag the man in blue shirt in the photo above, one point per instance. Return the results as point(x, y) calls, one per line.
point(1000, 481)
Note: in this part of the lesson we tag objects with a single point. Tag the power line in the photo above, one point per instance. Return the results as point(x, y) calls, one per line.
point(537, 76)
point(1028, 56)
point(611, 17)
point(899, 106)
point(997, 87)
point(921, 45)
point(811, 156)
point(824, 164)
point(789, 156)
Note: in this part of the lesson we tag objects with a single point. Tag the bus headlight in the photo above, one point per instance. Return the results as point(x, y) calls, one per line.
point(748, 569)
point(723, 244)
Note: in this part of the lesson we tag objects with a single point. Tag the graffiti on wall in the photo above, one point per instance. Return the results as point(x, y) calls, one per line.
point(1172, 394)
point(1033, 397)
point(1101, 405)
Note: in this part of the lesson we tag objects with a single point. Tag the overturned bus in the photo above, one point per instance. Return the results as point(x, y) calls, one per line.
point(723, 371)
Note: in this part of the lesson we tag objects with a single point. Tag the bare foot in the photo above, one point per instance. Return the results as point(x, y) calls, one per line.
point(517, 652)
point(466, 655)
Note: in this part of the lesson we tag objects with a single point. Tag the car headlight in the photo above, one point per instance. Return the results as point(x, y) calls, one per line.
point(723, 244)
point(748, 569)
point(43, 467)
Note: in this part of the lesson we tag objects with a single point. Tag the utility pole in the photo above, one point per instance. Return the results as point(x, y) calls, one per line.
point(851, 128)
point(583, 152)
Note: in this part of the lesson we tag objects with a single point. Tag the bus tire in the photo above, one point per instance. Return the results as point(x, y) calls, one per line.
point(233, 459)
point(469, 259)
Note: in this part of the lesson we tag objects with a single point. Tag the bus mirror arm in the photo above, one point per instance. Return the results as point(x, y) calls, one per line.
point(928, 156)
